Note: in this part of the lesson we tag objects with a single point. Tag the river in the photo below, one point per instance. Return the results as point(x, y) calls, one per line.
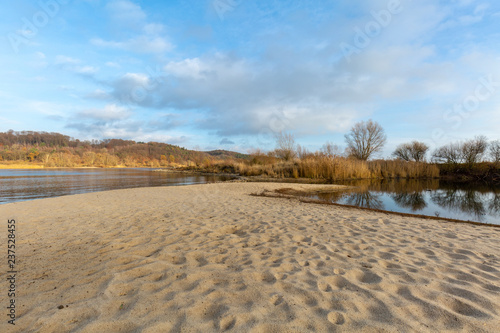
point(27, 184)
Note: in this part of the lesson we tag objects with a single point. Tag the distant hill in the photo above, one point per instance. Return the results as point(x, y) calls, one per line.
point(55, 149)
point(226, 154)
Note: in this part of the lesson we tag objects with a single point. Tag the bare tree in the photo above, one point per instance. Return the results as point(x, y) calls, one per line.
point(473, 150)
point(365, 139)
point(450, 154)
point(302, 152)
point(418, 151)
point(330, 150)
point(403, 152)
point(285, 146)
point(495, 151)
point(414, 151)
point(469, 152)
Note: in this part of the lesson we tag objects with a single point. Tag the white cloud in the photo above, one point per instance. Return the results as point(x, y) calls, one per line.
point(73, 65)
point(247, 97)
point(137, 78)
point(86, 70)
point(466, 17)
point(171, 139)
point(154, 29)
point(112, 64)
point(39, 60)
point(140, 44)
point(66, 88)
point(109, 112)
point(126, 12)
point(65, 60)
point(46, 108)
point(187, 68)
point(294, 76)
point(144, 37)
point(99, 94)
point(481, 9)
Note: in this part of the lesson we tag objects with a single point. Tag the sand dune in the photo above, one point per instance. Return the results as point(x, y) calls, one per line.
point(211, 258)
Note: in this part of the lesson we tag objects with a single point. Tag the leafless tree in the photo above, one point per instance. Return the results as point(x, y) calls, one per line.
point(414, 151)
point(365, 139)
point(469, 152)
point(302, 152)
point(403, 152)
point(495, 151)
point(473, 150)
point(330, 150)
point(285, 146)
point(451, 154)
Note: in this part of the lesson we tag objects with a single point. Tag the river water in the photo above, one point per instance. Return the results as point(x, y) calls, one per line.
point(28, 184)
point(461, 201)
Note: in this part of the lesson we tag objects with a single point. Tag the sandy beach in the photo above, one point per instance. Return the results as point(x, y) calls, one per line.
point(212, 258)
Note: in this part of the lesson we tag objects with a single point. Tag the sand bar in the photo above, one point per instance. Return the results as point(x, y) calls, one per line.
point(212, 258)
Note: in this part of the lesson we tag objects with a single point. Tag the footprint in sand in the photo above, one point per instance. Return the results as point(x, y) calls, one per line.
point(364, 276)
point(227, 323)
point(336, 318)
point(276, 299)
point(265, 277)
point(323, 286)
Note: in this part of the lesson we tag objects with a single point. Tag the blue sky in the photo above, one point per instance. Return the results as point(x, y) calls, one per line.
point(228, 74)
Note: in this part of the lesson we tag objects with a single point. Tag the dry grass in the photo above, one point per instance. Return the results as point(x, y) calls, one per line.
point(322, 167)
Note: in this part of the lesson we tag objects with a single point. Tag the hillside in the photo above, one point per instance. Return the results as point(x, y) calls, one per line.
point(59, 150)
point(226, 154)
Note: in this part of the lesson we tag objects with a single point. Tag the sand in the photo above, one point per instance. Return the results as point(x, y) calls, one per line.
point(212, 258)
point(21, 166)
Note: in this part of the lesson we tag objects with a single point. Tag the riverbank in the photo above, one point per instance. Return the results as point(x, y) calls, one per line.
point(21, 166)
point(41, 166)
point(485, 173)
point(209, 258)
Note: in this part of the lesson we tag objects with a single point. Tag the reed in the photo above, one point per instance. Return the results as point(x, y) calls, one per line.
point(328, 168)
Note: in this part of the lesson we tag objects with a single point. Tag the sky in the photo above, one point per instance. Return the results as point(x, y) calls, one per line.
point(230, 74)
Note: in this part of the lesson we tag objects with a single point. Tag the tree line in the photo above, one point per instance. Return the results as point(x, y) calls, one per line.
point(366, 138)
point(289, 159)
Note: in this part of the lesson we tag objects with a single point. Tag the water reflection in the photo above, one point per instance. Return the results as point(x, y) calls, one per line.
point(395, 186)
point(365, 199)
point(460, 201)
point(475, 201)
point(414, 201)
point(465, 201)
point(361, 198)
point(494, 204)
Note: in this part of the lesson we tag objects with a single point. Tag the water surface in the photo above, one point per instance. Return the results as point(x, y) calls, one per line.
point(461, 201)
point(28, 184)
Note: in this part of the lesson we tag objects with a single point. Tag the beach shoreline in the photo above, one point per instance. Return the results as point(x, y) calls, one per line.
point(276, 194)
point(41, 166)
point(212, 257)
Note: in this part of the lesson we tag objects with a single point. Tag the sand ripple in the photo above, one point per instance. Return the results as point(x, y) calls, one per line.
point(211, 258)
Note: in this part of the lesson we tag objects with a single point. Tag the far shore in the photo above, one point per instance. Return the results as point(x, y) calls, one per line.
point(21, 166)
point(180, 168)
point(39, 166)
point(4, 165)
